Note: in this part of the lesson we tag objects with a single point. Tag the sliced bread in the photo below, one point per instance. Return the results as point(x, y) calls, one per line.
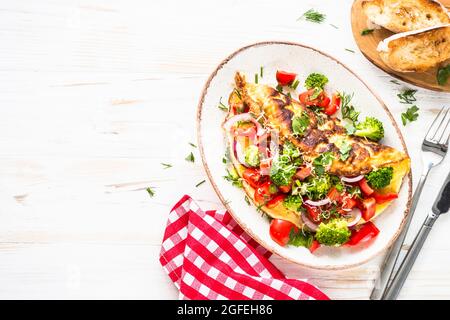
point(406, 15)
point(416, 51)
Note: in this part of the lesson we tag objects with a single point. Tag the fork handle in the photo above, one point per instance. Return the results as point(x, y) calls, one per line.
point(400, 277)
point(389, 263)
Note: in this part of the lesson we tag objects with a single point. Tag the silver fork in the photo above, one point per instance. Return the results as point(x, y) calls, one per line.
point(434, 148)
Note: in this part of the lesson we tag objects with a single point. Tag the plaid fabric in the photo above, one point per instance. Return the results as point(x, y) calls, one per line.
point(208, 256)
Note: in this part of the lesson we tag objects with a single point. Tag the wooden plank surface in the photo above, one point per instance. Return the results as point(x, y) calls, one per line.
point(94, 95)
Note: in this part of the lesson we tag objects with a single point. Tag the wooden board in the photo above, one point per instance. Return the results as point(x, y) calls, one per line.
point(368, 46)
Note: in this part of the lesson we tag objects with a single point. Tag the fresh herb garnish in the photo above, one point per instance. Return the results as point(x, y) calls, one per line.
point(190, 157)
point(344, 149)
point(237, 93)
point(395, 82)
point(200, 183)
point(221, 106)
point(166, 165)
point(410, 115)
point(350, 50)
point(322, 161)
point(279, 88)
point(300, 123)
point(347, 109)
point(256, 78)
point(365, 32)
point(350, 128)
point(192, 145)
point(316, 93)
point(224, 160)
point(247, 200)
point(407, 96)
point(313, 16)
point(443, 74)
point(233, 177)
point(150, 191)
point(261, 72)
point(316, 80)
point(295, 84)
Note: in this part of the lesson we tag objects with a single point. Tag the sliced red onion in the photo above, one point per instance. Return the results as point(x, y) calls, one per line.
point(353, 179)
point(356, 215)
point(318, 203)
point(309, 223)
point(239, 153)
point(244, 117)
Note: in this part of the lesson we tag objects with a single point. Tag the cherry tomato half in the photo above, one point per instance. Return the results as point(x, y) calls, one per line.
point(285, 78)
point(285, 189)
point(263, 194)
point(280, 231)
point(314, 213)
point(368, 208)
point(365, 188)
point(322, 100)
point(366, 232)
point(314, 246)
point(382, 198)
point(252, 177)
point(334, 105)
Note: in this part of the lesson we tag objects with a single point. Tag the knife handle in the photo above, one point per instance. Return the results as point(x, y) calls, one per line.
point(402, 274)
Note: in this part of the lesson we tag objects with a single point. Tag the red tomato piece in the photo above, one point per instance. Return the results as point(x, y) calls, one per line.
point(348, 203)
point(334, 195)
point(285, 78)
point(314, 246)
point(275, 201)
point(366, 232)
point(252, 177)
point(314, 213)
point(368, 208)
point(365, 188)
point(263, 193)
point(285, 189)
point(334, 105)
point(322, 100)
point(280, 231)
point(382, 198)
point(303, 173)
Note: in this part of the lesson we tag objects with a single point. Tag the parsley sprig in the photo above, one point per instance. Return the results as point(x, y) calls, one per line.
point(347, 109)
point(313, 16)
point(407, 96)
point(411, 114)
point(365, 32)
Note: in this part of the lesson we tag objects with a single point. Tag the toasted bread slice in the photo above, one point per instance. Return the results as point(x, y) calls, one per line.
point(416, 51)
point(406, 15)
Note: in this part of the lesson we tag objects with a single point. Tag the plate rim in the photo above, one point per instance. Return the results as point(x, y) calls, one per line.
point(224, 202)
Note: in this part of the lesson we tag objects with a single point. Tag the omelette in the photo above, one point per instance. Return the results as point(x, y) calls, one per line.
point(319, 179)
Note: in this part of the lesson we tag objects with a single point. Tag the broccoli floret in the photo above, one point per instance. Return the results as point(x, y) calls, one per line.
point(282, 170)
point(380, 178)
point(293, 202)
point(252, 156)
point(290, 150)
point(371, 128)
point(333, 233)
point(318, 187)
point(316, 80)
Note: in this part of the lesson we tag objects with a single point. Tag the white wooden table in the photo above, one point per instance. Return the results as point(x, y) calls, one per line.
point(94, 95)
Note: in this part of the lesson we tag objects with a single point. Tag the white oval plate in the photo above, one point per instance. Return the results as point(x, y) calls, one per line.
point(302, 60)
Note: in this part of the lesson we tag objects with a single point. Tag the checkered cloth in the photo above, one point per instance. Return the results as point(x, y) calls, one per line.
point(208, 256)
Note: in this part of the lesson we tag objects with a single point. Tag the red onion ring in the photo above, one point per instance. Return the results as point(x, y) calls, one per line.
point(244, 117)
point(353, 179)
point(356, 214)
point(309, 223)
point(318, 203)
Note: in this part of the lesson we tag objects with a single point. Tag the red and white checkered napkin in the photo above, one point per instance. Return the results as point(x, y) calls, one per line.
point(208, 256)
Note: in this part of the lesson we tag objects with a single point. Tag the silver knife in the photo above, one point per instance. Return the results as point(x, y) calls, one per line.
point(440, 206)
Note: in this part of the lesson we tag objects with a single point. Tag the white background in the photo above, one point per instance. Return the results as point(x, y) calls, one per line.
point(94, 95)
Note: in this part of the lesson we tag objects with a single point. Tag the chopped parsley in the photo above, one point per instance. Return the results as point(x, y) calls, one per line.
point(395, 82)
point(261, 72)
point(365, 32)
point(407, 96)
point(150, 191)
point(344, 149)
point(347, 109)
point(200, 183)
point(300, 123)
point(192, 145)
point(166, 165)
point(247, 200)
point(256, 78)
point(224, 160)
point(313, 16)
point(322, 161)
point(350, 128)
point(190, 157)
point(443, 74)
point(411, 114)
point(221, 106)
point(279, 88)
point(350, 50)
